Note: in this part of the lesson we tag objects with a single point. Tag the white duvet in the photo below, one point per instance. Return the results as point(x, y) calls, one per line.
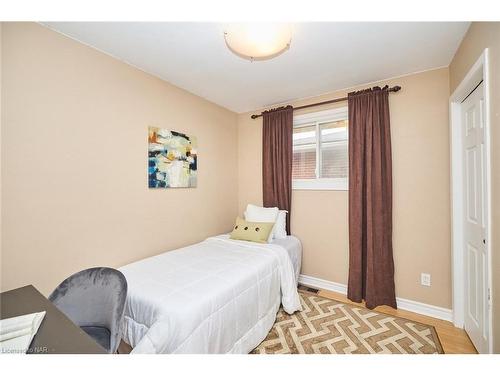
point(217, 296)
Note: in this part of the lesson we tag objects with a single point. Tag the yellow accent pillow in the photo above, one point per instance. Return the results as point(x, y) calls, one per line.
point(251, 231)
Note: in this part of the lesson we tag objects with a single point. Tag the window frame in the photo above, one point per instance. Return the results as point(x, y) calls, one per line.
point(318, 118)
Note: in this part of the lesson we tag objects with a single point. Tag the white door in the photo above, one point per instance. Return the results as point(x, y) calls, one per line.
point(476, 259)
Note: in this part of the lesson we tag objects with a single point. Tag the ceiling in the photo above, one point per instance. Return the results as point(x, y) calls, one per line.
point(323, 57)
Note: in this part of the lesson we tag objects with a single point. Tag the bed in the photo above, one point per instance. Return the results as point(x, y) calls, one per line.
point(217, 296)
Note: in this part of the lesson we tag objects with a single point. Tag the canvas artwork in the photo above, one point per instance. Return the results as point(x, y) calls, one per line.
point(172, 159)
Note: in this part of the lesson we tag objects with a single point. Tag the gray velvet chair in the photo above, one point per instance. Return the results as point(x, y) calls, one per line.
point(94, 299)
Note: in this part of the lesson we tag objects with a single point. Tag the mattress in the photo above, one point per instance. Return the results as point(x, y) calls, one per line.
point(217, 296)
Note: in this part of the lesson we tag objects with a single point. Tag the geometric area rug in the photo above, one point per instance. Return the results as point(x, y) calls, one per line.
point(327, 326)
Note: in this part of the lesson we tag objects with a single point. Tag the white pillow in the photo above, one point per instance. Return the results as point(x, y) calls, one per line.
point(279, 230)
point(262, 215)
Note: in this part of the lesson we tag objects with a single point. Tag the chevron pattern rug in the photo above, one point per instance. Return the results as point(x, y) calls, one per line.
point(327, 326)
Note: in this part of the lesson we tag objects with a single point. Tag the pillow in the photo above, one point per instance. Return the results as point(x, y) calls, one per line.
point(258, 214)
point(263, 214)
point(279, 230)
point(248, 231)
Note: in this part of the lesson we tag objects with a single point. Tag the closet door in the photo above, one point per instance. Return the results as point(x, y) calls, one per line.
point(476, 259)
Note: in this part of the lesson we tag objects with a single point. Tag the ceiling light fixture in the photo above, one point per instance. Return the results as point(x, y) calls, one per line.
point(258, 41)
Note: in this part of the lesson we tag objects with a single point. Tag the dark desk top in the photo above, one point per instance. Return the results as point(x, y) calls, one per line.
point(57, 333)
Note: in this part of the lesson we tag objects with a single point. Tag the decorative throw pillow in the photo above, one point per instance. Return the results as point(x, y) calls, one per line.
point(259, 214)
point(266, 214)
point(249, 231)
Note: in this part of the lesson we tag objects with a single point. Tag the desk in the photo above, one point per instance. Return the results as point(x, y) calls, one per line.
point(57, 333)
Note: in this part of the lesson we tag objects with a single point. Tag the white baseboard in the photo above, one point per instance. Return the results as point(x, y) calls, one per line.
point(403, 304)
point(322, 284)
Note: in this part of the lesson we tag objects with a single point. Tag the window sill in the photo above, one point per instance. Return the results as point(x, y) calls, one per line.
point(340, 184)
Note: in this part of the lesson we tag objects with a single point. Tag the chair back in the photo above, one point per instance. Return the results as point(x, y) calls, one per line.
point(94, 297)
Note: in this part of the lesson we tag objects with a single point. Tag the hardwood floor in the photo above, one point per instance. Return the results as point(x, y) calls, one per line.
point(454, 340)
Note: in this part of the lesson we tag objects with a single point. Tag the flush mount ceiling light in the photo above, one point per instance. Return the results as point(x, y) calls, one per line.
point(258, 41)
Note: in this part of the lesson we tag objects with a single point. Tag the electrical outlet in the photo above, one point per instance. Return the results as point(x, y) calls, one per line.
point(425, 279)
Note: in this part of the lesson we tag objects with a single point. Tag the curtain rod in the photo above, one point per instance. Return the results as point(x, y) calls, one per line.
point(392, 89)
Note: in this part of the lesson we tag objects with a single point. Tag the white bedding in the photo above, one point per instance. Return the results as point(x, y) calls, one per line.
point(217, 296)
point(294, 248)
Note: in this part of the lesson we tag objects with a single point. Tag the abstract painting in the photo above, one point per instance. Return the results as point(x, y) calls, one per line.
point(172, 159)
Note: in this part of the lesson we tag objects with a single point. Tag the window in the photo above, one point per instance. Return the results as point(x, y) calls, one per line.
point(320, 158)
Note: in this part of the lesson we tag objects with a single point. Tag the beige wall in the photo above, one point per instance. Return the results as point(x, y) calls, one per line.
point(483, 35)
point(74, 161)
point(419, 117)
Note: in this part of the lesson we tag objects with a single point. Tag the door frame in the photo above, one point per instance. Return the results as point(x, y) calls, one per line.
point(478, 72)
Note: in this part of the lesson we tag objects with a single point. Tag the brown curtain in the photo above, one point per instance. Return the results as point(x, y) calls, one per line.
point(277, 156)
point(371, 265)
